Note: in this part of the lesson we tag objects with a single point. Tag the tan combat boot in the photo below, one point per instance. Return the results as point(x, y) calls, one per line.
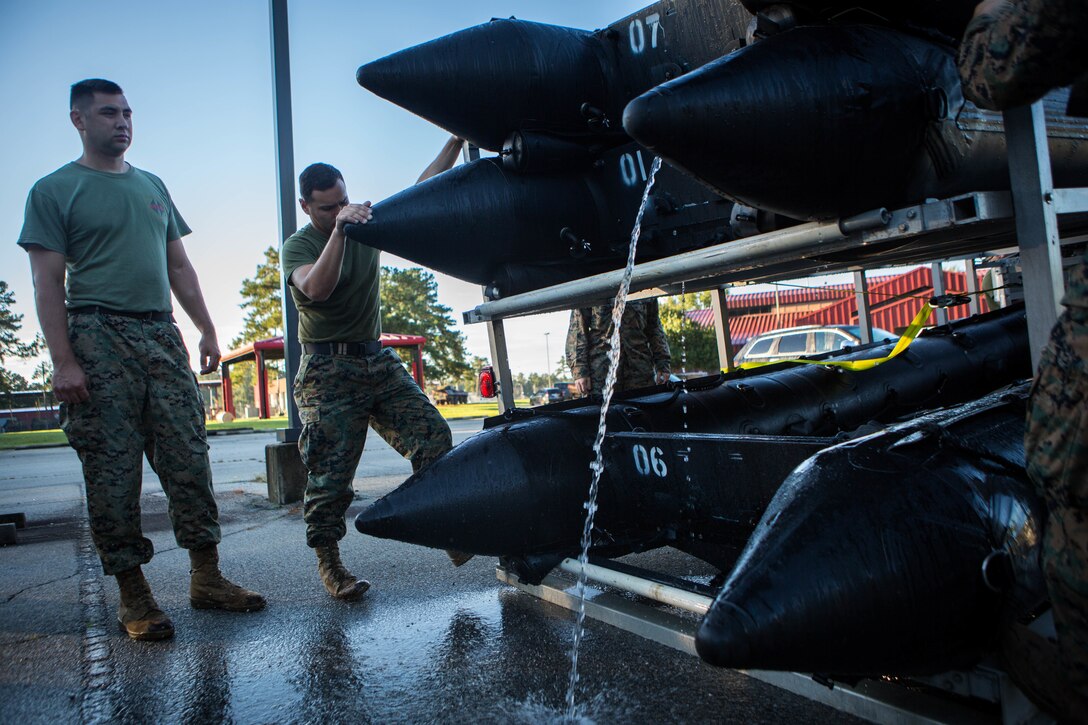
point(209, 589)
point(139, 614)
point(459, 558)
point(339, 582)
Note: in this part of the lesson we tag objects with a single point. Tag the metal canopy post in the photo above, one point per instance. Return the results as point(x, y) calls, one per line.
point(720, 302)
point(263, 408)
point(285, 178)
point(865, 313)
point(937, 275)
point(971, 275)
point(1036, 221)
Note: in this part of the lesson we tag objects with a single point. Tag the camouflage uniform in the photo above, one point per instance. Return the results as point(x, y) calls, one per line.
point(643, 347)
point(337, 397)
point(1057, 456)
point(113, 231)
point(143, 400)
point(1014, 55)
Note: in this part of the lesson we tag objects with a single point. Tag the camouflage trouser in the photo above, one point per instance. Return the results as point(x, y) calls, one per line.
point(630, 375)
point(337, 397)
point(144, 400)
point(1057, 456)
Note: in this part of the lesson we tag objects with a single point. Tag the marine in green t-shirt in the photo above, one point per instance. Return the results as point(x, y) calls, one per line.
point(104, 242)
point(342, 390)
point(352, 311)
point(76, 211)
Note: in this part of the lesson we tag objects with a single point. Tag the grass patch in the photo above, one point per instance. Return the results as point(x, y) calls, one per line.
point(57, 437)
point(33, 438)
point(476, 410)
point(468, 410)
point(251, 424)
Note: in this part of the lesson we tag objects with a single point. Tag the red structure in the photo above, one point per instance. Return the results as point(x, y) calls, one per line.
point(893, 301)
point(261, 351)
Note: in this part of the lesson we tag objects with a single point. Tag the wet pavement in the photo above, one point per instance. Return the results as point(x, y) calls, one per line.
point(428, 642)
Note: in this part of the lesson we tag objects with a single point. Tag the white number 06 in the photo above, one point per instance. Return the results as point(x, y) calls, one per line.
point(653, 461)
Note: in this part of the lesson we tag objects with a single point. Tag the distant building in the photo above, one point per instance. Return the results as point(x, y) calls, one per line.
point(275, 400)
point(893, 302)
point(28, 410)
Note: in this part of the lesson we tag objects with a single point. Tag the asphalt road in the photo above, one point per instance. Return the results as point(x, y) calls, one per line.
point(428, 643)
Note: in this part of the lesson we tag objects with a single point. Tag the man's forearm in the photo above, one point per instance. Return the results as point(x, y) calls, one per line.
point(322, 278)
point(53, 318)
point(445, 159)
point(186, 287)
point(69, 380)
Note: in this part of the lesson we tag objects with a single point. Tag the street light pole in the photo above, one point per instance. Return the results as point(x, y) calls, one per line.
point(548, 355)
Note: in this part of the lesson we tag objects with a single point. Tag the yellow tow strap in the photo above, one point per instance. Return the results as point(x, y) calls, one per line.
point(909, 334)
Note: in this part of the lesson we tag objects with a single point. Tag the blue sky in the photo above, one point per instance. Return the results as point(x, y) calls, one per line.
point(198, 77)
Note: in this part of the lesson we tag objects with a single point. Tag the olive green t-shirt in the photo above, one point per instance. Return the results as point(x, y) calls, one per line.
point(112, 230)
point(353, 312)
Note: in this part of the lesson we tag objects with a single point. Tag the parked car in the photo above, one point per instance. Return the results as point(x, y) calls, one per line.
point(566, 389)
point(547, 395)
point(794, 342)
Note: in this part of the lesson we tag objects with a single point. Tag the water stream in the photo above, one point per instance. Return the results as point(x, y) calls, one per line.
point(598, 461)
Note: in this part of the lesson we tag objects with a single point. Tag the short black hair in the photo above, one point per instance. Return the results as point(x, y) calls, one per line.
point(84, 90)
point(317, 177)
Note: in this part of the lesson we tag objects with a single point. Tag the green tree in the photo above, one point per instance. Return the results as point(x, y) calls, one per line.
point(243, 376)
point(538, 381)
point(263, 301)
point(10, 344)
point(42, 379)
point(470, 380)
point(521, 386)
point(11, 382)
point(410, 307)
point(693, 348)
point(562, 370)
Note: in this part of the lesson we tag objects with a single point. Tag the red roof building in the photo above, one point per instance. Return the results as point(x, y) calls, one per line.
point(262, 351)
point(893, 301)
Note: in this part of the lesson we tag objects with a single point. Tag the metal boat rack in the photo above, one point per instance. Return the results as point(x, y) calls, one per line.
point(1028, 219)
point(981, 692)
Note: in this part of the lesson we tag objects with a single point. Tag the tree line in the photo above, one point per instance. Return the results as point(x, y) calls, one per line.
point(12, 347)
point(409, 306)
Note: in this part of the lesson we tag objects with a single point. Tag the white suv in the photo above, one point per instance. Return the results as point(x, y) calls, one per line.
point(795, 342)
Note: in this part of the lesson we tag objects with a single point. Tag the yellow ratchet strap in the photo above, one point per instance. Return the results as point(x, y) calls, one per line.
point(909, 334)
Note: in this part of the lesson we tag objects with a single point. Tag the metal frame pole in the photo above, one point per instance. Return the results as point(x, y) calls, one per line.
point(936, 271)
point(285, 178)
point(688, 265)
point(1036, 221)
point(719, 300)
point(971, 278)
point(865, 312)
point(658, 592)
point(496, 333)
